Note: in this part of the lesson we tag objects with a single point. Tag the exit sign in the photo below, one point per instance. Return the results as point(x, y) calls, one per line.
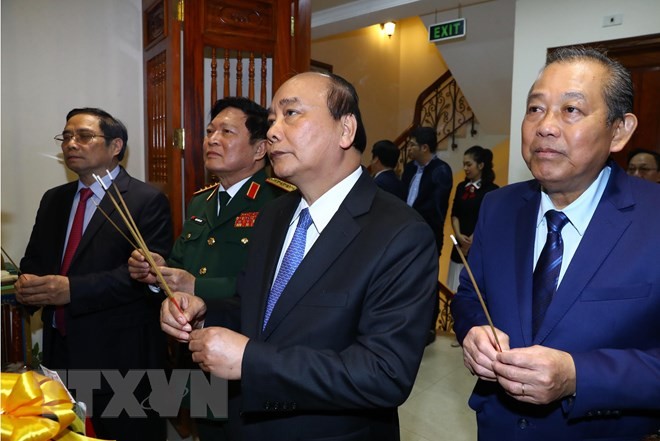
point(447, 30)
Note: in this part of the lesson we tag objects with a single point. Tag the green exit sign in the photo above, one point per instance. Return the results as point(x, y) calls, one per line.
point(447, 30)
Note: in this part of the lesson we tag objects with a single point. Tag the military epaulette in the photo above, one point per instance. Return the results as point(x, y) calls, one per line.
point(213, 186)
point(286, 186)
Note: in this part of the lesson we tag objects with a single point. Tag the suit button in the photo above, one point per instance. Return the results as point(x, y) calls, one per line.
point(522, 423)
point(244, 241)
point(202, 271)
point(188, 236)
point(211, 241)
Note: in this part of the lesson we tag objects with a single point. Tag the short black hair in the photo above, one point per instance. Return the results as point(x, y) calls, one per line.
point(257, 116)
point(636, 152)
point(110, 126)
point(343, 100)
point(386, 152)
point(425, 135)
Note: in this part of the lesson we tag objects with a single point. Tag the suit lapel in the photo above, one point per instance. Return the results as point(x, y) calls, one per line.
point(61, 221)
point(278, 232)
point(524, 260)
point(98, 220)
point(605, 229)
point(330, 245)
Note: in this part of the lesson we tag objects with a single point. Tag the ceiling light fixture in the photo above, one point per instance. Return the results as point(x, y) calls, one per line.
point(388, 28)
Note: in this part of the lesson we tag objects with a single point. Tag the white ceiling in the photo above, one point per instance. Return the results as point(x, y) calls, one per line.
point(331, 17)
point(482, 62)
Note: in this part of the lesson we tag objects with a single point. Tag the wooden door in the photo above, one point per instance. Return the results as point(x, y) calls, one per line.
point(162, 100)
point(209, 42)
point(640, 55)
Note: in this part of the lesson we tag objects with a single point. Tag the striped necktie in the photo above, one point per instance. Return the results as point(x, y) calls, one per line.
point(546, 273)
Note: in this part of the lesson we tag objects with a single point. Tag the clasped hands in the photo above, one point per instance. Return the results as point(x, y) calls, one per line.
point(217, 350)
point(536, 374)
point(177, 279)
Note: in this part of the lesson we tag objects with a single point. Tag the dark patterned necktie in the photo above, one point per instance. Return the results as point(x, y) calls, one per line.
point(292, 257)
point(71, 246)
point(548, 267)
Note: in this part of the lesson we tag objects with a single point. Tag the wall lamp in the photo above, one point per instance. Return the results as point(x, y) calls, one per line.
point(388, 28)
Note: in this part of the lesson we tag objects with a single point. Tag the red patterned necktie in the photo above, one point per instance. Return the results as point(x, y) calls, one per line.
point(74, 240)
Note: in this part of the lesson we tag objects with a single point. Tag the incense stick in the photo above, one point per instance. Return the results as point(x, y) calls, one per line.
point(16, 267)
point(132, 227)
point(114, 225)
point(476, 287)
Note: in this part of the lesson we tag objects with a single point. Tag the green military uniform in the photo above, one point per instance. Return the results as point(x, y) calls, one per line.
point(214, 249)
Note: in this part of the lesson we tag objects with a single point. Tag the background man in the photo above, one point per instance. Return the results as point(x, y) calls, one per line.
point(95, 316)
point(212, 247)
point(644, 164)
point(428, 180)
point(576, 317)
point(334, 351)
point(385, 156)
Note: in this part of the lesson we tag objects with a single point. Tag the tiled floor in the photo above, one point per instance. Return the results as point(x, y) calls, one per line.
point(437, 407)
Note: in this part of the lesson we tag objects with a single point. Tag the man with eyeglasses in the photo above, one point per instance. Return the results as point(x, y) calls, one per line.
point(644, 164)
point(95, 316)
point(428, 180)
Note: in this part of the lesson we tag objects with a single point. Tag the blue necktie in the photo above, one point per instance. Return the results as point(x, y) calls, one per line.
point(413, 191)
point(548, 267)
point(292, 258)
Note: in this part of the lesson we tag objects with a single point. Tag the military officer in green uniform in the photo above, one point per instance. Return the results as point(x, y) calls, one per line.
point(212, 247)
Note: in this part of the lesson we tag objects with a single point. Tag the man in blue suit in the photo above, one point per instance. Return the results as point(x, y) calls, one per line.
point(338, 351)
point(588, 366)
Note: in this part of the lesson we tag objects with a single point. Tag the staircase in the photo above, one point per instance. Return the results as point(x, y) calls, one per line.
point(441, 105)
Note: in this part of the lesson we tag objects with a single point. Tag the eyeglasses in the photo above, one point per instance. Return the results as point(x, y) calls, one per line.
point(82, 138)
point(641, 170)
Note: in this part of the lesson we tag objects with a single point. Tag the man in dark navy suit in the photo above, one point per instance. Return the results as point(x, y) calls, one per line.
point(385, 155)
point(339, 350)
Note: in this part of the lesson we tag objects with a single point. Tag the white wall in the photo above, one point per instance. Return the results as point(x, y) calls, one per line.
point(58, 55)
point(541, 24)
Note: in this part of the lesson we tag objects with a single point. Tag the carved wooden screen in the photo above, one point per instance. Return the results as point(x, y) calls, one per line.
point(229, 47)
point(240, 48)
point(162, 100)
point(240, 73)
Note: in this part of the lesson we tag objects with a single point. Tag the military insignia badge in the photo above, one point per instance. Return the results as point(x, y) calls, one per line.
point(253, 190)
point(246, 219)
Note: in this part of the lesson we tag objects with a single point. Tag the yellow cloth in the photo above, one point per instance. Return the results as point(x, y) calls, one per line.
point(36, 408)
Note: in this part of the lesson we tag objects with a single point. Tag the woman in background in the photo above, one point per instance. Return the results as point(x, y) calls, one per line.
point(479, 180)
